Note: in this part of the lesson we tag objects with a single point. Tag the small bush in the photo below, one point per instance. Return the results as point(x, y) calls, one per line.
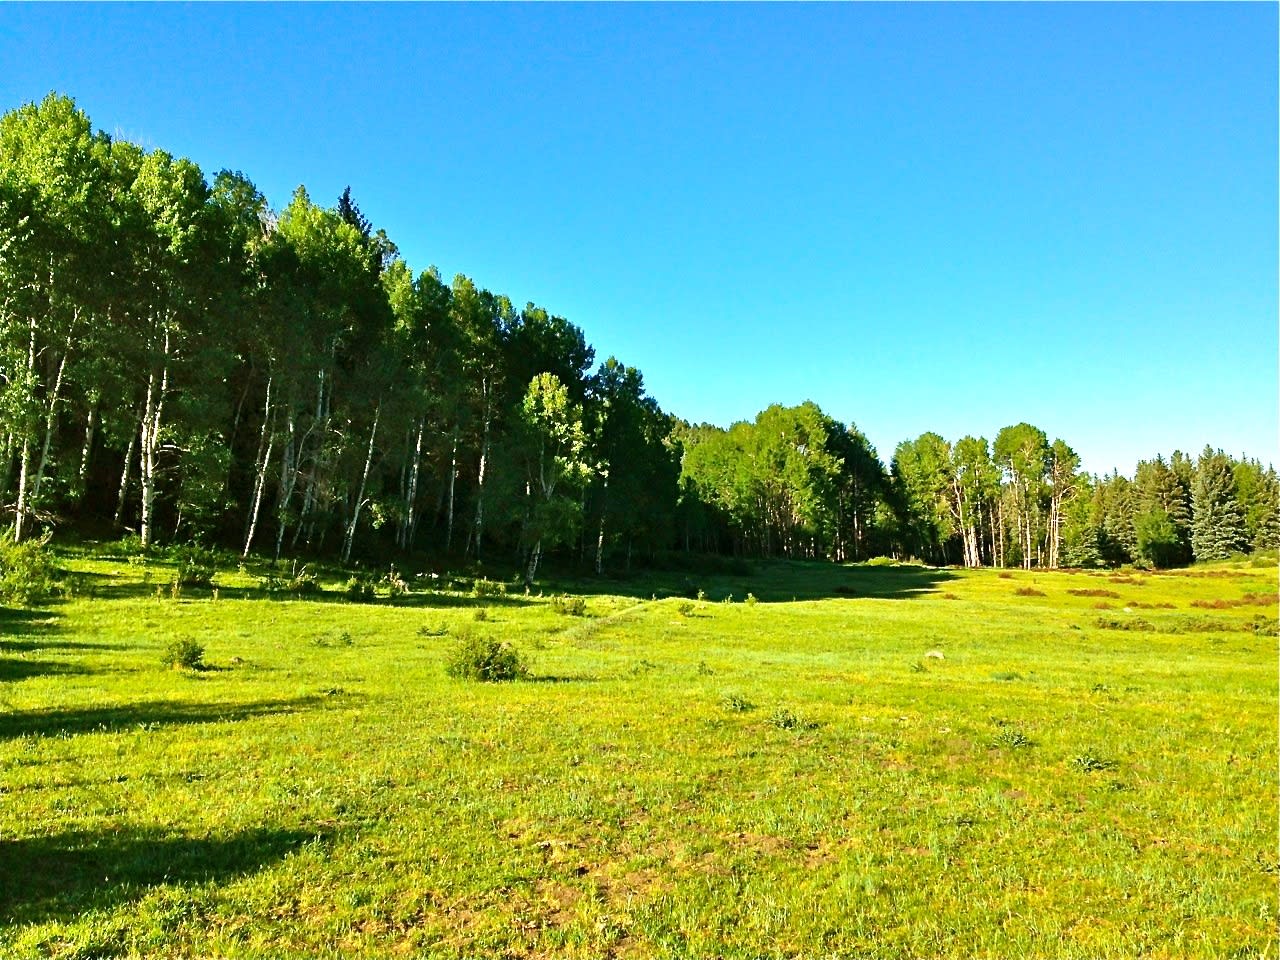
point(26, 572)
point(1088, 763)
point(183, 654)
point(685, 608)
point(1028, 592)
point(397, 586)
point(751, 600)
point(785, 719)
point(488, 588)
point(1263, 626)
point(481, 615)
point(736, 704)
point(360, 589)
point(474, 657)
point(568, 606)
point(433, 630)
point(1137, 623)
point(1095, 593)
point(1005, 575)
point(1010, 739)
point(196, 566)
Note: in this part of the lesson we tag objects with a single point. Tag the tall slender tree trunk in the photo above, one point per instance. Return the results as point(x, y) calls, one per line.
point(266, 440)
point(478, 526)
point(152, 421)
point(349, 540)
point(126, 470)
point(82, 476)
point(453, 477)
point(411, 495)
point(288, 481)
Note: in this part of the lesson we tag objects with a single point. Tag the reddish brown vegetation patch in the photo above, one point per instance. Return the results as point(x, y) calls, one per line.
point(1094, 593)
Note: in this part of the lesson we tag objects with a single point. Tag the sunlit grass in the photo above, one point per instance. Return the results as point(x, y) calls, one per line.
point(899, 762)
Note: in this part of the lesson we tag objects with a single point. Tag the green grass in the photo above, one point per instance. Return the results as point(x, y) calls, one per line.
point(900, 762)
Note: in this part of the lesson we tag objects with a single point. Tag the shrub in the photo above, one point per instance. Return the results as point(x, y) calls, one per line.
point(1028, 592)
point(751, 600)
point(488, 588)
point(474, 657)
point(736, 704)
point(184, 654)
point(1010, 739)
point(685, 608)
point(1088, 763)
point(785, 719)
point(196, 566)
point(397, 586)
point(26, 572)
point(360, 589)
point(568, 606)
point(1095, 593)
point(481, 615)
point(1137, 623)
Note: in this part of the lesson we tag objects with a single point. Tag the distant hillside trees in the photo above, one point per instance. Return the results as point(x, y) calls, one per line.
point(180, 360)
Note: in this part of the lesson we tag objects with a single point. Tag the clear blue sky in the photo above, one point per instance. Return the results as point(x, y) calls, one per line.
point(922, 217)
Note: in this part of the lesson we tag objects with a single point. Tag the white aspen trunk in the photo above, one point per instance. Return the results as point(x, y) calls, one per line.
point(150, 442)
point(349, 540)
point(50, 416)
point(308, 492)
point(261, 462)
point(478, 526)
point(87, 450)
point(288, 481)
point(600, 535)
point(124, 473)
point(411, 496)
point(453, 477)
point(25, 469)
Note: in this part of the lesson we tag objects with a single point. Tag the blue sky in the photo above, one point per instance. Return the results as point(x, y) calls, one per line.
point(923, 217)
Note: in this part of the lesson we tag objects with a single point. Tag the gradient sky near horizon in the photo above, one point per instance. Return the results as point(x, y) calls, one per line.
point(922, 217)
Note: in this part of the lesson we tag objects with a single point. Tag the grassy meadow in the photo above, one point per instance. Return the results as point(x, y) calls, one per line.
point(859, 761)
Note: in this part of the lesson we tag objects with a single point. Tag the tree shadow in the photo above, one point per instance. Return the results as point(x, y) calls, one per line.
point(60, 876)
point(8, 645)
point(20, 668)
point(148, 714)
point(775, 581)
point(16, 622)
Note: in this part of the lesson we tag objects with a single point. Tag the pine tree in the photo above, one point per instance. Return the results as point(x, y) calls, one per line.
point(1217, 524)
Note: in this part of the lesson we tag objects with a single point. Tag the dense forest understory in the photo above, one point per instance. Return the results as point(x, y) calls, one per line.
point(180, 361)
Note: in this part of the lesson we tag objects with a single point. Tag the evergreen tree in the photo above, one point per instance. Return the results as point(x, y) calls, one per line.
point(1217, 523)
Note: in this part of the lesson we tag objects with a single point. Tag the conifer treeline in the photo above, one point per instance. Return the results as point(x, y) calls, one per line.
point(180, 360)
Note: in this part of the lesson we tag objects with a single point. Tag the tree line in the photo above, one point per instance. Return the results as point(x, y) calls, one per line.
point(181, 360)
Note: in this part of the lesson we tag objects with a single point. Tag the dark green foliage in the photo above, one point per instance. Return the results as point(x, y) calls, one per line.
point(183, 654)
point(27, 574)
point(488, 588)
point(475, 657)
point(1157, 541)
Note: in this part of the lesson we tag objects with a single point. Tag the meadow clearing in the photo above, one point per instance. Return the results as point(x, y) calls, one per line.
point(861, 761)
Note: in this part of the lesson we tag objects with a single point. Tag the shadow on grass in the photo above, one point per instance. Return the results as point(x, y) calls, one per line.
point(20, 668)
point(148, 714)
point(15, 622)
point(61, 876)
point(772, 582)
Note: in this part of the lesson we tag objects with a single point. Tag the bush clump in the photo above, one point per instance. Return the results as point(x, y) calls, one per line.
point(27, 574)
point(475, 657)
point(360, 589)
point(184, 654)
point(483, 587)
point(196, 566)
point(568, 606)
